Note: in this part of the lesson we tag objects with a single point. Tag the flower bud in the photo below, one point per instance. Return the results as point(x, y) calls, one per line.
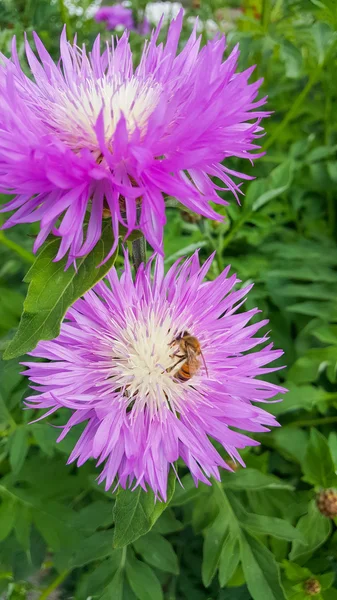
point(312, 587)
point(326, 502)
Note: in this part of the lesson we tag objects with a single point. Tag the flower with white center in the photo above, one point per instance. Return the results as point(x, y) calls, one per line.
point(158, 367)
point(91, 137)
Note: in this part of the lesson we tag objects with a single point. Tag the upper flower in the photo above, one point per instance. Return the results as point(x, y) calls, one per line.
point(158, 367)
point(92, 135)
point(121, 15)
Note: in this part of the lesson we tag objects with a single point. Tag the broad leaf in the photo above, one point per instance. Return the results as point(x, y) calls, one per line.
point(52, 290)
point(136, 512)
point(157, 552)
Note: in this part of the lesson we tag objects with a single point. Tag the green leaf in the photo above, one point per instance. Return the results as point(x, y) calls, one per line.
point(315, 528)
point(96, 547)
point(278, 528)
point(214, 539)
point(252, 479)
point(205, 512)
point(291, 442)
point(298, 397)
point(22, 526)
point(136, 512)
point(229, 559)
point(142, 579)
point(330, 594)
point(295, 572)
point(95, 515)
point(260, 569)
point(187, 491)
point(8, 511)
point(278, 182)
point(157, 552)
point(264, 525)
point(318, 466)
point(115, 589)
point(52, 290)
point(18, 448)
point(167, 523)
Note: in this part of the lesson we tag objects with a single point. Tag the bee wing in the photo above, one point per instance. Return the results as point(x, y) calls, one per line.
point(192, 359)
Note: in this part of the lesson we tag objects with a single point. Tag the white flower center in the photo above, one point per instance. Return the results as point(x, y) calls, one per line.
point(144, 364)
point(73, 111)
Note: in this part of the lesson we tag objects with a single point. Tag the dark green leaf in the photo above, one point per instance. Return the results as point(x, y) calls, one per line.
point(157, 552)
point(315, 529)
point(142, 579)
point(252, 479)
point(18, 448)
point(318, 466)
point(8, 511)
point(261, 570)
point(215, 537)
point(96, 547)
point(229, 559)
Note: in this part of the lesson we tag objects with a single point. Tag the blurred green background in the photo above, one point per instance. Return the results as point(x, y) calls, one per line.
point(55, 523)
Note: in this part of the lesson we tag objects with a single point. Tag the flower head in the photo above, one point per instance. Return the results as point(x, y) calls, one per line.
point(121, 15)
point(157, 367)
point(92, 136)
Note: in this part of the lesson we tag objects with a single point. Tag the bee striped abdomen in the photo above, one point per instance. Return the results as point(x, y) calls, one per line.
point(184, 373)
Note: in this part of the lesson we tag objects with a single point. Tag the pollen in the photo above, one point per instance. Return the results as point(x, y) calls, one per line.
point(73, 111)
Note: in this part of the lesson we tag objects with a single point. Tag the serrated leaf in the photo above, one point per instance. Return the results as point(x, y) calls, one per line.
point(52, 290)
point(157, 552)
point(136, 512)
point(260, 569)
point(318, 466)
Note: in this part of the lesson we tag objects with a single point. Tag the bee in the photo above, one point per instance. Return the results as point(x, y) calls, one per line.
point(189, 354)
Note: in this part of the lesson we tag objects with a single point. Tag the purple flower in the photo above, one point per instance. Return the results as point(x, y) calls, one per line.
point(93, 135)
point(119, 364)
point(120, 15)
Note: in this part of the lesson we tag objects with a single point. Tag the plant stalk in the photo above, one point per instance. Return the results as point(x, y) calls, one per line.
point(54, 584)
point(138, 252)
point(27, 256)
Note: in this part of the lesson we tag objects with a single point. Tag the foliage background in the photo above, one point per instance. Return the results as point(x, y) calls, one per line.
point(259, 534)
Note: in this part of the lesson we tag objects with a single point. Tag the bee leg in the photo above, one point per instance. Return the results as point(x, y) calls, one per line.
point(181, 358)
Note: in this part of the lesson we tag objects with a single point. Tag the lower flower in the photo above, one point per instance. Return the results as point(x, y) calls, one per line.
point(159, 367)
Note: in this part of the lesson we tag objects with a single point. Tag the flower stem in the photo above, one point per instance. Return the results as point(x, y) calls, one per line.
point(138, 252)
point(27, 256)
point(54, 584)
